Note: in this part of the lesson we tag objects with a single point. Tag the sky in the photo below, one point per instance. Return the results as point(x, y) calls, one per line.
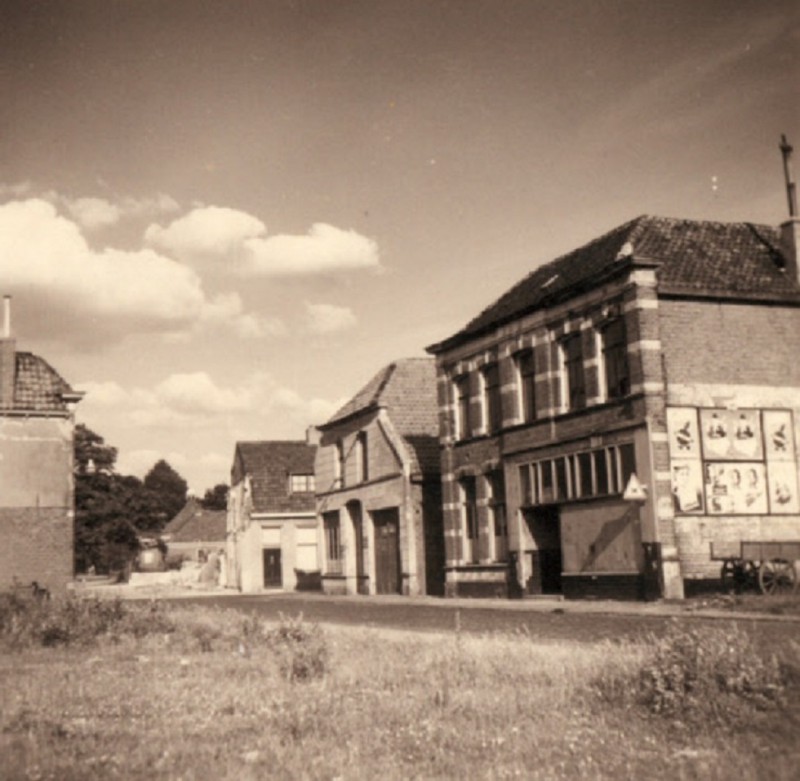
point(220, 219)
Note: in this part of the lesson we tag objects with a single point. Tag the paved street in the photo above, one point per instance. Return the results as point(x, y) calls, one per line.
point(544, 620)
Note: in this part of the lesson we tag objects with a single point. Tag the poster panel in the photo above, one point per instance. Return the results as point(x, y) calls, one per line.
point(687, 487)
point(736, 488)
point(731, 434)
point(684, 436)
point(783, 496)
point(779, 435)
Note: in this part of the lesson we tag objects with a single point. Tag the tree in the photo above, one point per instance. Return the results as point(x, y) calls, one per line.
point(168, 490)
point(216, 498)
point(91, 452)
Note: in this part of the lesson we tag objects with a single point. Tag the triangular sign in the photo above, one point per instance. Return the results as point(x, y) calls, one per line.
point(634, 491)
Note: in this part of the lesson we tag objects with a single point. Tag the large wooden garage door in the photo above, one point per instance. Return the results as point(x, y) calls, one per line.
point(387, 551)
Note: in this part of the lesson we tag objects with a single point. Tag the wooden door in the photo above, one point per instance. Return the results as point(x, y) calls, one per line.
point(273, 572)
point(387, 551)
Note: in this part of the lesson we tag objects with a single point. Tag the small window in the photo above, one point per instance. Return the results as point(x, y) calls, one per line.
point(362, 457)
point(547, 482)
point(627, 460)
point(498, 509)
point(601, 472)
point(525, 485)
point(574, 378)
point(469, 506)
point(615, 359)
point(339, 465)
point(526, 373)
point(585, 477)
point(561, 478)
point(301, 484)
point(333, 543)
point(491, 399)
point(463, 421)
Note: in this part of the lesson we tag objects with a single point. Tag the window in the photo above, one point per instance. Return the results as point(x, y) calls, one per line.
point(575, 391)
point(339, 465)
point(497, 505)
point(362, 457)
point(492, 410)
point(615, 359)
point(585, 483)
point(333, 542)
point(301, 484)
point(526, 374)
point(463, 422)
point(469, 514)
point(526, 493)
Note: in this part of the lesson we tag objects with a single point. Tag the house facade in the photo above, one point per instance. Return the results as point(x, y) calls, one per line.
point(621, 409)
point(378, 486)
point(271, 519)
point(37, 512)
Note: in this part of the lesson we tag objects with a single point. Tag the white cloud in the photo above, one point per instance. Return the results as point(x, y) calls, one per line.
point(324, 249)
point(94, 213)
point(96, 295)
point(327, 318)
point(232, 236)
point(206, 231)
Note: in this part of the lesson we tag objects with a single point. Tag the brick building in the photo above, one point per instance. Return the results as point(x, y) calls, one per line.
point(666, 349)
point(37, 513)
point(271, 521)
point(378, 486)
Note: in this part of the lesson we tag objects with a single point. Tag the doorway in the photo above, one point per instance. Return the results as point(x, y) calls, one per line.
point(387, 551)
point(273, 571)
point(545, 559)
point(354, 510)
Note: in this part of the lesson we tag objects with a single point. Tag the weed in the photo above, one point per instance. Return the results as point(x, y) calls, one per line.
point(300, 649)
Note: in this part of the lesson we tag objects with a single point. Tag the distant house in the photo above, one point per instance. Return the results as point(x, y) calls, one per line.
point(378, 486)
point(621, 410)
point(36, 469)
point(196, 532)
point(271, 521)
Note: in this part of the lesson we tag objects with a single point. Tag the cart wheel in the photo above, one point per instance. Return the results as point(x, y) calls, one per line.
point(728, 575)
point(777, 577)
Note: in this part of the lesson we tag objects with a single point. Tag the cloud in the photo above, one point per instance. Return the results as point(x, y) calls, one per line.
point(324, 249)
point(206, 231)
point(327, 318)
point(235, 237)
point(94, 213)
point(99, 295)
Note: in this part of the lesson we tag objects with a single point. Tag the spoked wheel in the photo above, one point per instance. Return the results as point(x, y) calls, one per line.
point(777, 577)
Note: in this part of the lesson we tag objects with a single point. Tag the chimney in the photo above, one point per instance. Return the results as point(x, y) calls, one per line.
point(8, 358)
point(790, 230)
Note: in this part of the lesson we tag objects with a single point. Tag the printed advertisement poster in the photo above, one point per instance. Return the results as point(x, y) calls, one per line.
point(684, 436)
point(687, 487)
point(783, 487)
point(731, 434)
point(736, 489)
point(778, 435)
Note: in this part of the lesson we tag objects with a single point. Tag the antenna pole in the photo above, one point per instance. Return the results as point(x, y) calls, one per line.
point(791, 194)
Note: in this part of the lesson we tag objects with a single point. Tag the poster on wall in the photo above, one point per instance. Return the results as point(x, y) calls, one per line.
point(736, 488)
point(731, 434)
point(783, 496)
point(684, 437)
point(687, 487)
point(778, 435)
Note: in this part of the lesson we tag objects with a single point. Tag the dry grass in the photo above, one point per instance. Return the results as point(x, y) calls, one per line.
point(209, 700)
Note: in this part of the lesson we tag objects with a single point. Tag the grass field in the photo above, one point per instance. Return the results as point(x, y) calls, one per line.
point(148, 692)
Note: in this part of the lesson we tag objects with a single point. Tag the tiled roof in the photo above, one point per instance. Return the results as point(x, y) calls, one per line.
point(38, 386)
point(270, 465)
point(407, 390)
point(196, 524)
point(708, 258)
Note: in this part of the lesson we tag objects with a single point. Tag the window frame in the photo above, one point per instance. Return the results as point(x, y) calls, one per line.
point(573, 372)
point(463, 401)
point(492, 398)
point(526, 385)
point(616, 383)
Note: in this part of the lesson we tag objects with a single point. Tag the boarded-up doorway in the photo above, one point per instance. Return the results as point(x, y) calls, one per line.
point(387, 551)
point(546, 559)
point(273, 571)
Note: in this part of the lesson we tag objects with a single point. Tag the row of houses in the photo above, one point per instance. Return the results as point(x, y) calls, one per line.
point(604, 429)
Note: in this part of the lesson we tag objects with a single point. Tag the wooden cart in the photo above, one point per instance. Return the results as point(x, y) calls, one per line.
point(768, 566)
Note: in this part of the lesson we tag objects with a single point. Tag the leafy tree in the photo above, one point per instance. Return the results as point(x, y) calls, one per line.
point(91, 452)
point(216, 498)
point(168, 490)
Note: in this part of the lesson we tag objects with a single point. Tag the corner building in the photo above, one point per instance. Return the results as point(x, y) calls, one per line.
point(666, 350)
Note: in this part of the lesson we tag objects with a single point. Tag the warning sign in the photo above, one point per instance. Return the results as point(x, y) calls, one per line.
point(634, 491)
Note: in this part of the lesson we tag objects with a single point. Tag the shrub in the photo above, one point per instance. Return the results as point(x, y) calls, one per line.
point(709, 672)
point(301, 649)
